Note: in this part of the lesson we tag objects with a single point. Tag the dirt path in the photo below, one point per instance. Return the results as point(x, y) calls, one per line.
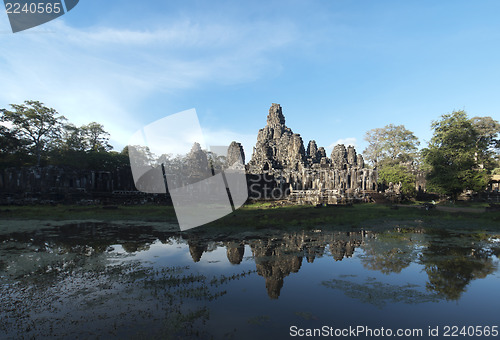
point(448, 209)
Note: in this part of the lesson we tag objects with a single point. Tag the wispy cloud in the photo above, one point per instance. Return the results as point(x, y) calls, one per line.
point(346, 141)
point(106, 74)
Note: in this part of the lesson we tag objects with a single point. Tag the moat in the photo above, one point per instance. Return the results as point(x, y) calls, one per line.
point(102, 280)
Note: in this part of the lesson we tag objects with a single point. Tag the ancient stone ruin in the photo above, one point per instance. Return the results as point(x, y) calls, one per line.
point(280, 168)
point(307, 176)
point(51, 184)
point(235, 155)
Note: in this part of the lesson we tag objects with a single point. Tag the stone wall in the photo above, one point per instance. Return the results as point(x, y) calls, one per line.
point(59, 183)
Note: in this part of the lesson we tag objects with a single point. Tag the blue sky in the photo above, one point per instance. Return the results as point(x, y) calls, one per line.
point(338, 68)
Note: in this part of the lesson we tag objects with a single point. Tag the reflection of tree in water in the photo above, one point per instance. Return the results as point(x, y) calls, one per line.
point(391, 251)
point(452, 261)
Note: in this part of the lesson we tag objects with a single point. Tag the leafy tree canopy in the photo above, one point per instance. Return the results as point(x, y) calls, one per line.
point(34, 122)
point(458, 154)
point(96, 137)
point(391, 144)
point(33, 133)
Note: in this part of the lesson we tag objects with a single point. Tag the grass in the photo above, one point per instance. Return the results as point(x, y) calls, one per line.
point(458, 204)
point(465, 204)
point(144, 213)
point(262, 215)
point(253, 216)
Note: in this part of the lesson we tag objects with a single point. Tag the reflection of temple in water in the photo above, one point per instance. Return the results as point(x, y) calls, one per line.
point(278, 256)
point(196, 249)
point(235, 252)
point(450, 267)
point(344, 244)
point(275, 260)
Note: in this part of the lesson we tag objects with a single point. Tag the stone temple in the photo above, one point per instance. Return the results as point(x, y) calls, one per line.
point(307, 175)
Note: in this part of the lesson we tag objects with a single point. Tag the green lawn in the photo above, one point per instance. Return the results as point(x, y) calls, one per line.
point(257, 215)
point(75, 212)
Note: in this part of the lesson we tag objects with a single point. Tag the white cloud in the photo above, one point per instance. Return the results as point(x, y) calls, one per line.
point(109, 75)
point(346, 141)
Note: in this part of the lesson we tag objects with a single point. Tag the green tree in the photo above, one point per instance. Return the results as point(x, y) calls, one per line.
point(9, 141)
point(375, 139)
point(452, 155)
point(12, 148)
point(96, 137)
point(36, 123)
point(73, 139)
point(392, 150)
point(398, 173)
point(392, 144)
point(70, 148)
point(488, 141)
point(90, 137)
point(78, 145)
point(107, 161)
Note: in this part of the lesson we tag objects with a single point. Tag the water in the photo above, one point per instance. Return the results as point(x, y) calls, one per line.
point(97, 280)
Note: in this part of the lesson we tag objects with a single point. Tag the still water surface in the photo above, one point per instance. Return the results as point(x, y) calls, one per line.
point(99, 280)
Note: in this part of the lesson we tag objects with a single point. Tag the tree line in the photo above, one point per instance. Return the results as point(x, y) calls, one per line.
point(462, 154)
point(35, 135)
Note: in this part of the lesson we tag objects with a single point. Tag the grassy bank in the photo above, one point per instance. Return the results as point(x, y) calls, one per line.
point(146, 213)
point(264, 215)
point(257, 215)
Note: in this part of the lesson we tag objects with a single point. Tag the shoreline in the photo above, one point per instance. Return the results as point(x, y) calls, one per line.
point(252, 217)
